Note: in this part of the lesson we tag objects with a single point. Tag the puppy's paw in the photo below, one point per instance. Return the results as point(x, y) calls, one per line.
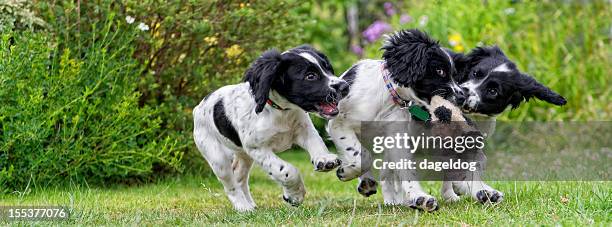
point(424, 202)
point(294, 198)
point(451, 197)
point(392, 202)
point(489, 196)
point(367, 187)
point(349, 172)
point(244, 207)
point(326, 162)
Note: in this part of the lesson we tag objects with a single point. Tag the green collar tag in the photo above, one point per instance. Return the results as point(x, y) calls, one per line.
point(419, 113)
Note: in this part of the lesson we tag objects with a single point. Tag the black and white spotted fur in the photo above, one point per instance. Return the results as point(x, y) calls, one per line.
point(419, 69)
point(234, 127)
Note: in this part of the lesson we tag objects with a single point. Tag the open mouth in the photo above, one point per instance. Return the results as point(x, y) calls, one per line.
point(327, 109)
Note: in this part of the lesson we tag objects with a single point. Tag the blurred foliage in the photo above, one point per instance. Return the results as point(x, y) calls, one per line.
point(67, 116)
point(563, 44)
point(17, 15)
point(326, 29)
point(187, 48)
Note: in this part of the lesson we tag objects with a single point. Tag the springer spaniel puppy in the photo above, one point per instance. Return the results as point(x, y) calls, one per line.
point(491, 84)
point(414, 69)
point(267, 113)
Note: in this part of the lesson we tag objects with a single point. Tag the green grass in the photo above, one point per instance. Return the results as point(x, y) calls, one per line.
point(200, 200)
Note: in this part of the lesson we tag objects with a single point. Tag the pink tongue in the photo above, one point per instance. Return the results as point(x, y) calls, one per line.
point(328, 108)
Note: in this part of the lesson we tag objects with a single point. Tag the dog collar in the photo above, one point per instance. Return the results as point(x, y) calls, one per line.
point(415, 110)
point(274, 105)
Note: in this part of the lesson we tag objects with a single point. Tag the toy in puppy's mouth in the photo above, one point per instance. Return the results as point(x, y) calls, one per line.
point(327, 109)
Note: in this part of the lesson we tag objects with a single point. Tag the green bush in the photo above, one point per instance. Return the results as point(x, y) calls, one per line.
point(190, 48)
point(75, 116)
point(17, 15)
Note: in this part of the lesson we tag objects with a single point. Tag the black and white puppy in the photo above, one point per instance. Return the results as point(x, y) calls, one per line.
point(267, 113)
point(491, 84)
point(417, 68)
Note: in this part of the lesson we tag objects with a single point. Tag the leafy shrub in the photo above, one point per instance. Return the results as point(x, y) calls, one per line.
point(196, 47)
point(16, 14)
point(188, 48)
point(75, 116)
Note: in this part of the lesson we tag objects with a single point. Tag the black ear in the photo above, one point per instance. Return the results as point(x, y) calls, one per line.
point(483, 52)
point(461, 63)
point(478, 54)
point(260, 76)
point(529, 88)
point(406, 53)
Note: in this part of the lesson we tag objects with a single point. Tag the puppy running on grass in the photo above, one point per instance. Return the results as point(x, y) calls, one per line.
point(239, 124)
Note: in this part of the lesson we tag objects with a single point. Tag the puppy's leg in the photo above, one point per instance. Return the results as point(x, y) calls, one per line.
point(417, 198)
point(242, 166)
point(320, 157)
point(350, 151)
point(411, 193)
point(220, 160)
point(367, 184)
point(391, 188)
point(448, 193)
point(282, 172)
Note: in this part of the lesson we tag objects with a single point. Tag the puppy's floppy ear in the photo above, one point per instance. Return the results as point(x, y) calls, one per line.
point(260, 76)
point(461, 63)
point(478, 54)
point(406, 53)
point(529, 88)
point(482, 52)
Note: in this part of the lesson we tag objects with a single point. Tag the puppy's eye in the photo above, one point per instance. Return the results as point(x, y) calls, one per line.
point(440, 72)
point(312, 76)
point(474, 74)
point(492, 92)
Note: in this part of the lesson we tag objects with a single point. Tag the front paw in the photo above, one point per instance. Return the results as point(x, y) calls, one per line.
point(424, 202)
point(294, 198)
point(367, 187)
point(489, 196)
point(244, 207)
point(293, 201)
point(326, 162)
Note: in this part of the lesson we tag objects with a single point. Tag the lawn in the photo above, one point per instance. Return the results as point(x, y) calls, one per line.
point(201, 200)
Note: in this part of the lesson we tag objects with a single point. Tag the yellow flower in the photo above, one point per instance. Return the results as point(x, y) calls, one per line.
point(458, 48)
point(242, 5)
point(454, 39)
point(211, 40)
point(233, 51)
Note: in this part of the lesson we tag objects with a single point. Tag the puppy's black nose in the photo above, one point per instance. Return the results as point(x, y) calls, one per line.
point(461, 95)
point(341, 87)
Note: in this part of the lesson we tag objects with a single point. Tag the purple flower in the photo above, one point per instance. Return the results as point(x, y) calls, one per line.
point(388, 5)
point(405, 18)
point(375, 30)
point(389, 10)
point(357, 50)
